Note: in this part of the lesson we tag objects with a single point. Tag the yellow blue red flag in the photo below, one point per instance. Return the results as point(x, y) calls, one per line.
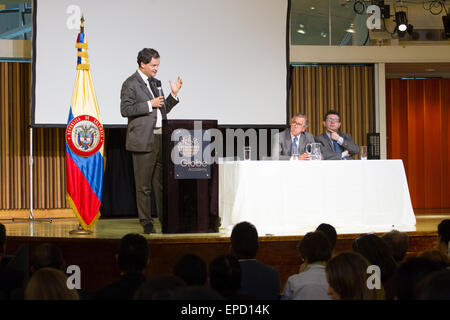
point(84, 143)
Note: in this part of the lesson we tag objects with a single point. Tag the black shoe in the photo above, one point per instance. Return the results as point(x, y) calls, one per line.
point(149, 228)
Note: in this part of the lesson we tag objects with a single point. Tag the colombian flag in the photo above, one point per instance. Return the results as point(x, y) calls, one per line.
point(84, 143)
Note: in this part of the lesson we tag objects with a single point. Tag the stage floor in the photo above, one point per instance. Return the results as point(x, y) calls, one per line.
point(117, 228)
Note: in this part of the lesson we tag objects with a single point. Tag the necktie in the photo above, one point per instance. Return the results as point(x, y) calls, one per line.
point(336, 147)
point(294, 150)
point(153, 88)
point(156, 94)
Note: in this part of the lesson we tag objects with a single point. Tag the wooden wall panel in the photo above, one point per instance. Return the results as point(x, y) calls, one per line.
point(347, 89)
point(417, 131)
point(48, 147)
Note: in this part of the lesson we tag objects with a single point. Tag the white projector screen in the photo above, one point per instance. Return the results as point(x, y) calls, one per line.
point(231, 55)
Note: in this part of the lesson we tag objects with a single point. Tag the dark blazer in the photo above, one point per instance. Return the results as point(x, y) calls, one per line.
point(327, 149)
point(134, 98)
point(259, 280)
point(284, 146)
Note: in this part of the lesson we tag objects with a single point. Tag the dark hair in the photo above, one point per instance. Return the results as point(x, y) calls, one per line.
point(315, 247)
point(330, 233)
point(435, 286)
point(398, 243)
point(146, 55)
point(47, 255)
point(192, 269)
point(410, 273)
point(2, 237)
point(133, 253)
point(244, 240)
point(374, 249)
point(347, 275)
point(444, 231)
point(225, 275)
point(160, 287)
point(331, 112)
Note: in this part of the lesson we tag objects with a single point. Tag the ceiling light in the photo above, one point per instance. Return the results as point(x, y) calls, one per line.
point(312, 8)
point(402, 23)
point(301, 31)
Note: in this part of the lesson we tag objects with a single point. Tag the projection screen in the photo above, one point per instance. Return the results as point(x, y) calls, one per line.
point(231, 55)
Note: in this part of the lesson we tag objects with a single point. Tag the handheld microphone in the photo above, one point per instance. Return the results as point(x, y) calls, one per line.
point(158, 87)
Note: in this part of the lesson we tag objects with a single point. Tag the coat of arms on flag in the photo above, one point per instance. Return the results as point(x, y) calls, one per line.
point(84, 144)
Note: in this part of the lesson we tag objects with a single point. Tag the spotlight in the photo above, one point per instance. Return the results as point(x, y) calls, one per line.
point(446, 23)
point(402, 23)
point(401, 20)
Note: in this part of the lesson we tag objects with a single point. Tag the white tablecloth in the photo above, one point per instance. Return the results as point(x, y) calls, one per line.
point(294, 197)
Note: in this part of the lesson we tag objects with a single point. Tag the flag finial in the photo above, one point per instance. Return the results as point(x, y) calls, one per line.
point(82, 24)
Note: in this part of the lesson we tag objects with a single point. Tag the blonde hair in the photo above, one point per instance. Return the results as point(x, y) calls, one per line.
point(49, 284)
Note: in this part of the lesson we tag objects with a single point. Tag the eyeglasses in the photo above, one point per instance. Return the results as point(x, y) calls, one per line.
point(297, 124)
point(332, 120)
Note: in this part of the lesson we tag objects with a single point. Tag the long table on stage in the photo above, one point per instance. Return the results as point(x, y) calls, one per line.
point(281, 197)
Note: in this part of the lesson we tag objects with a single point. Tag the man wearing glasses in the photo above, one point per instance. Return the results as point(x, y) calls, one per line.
point(335, 145)
point(291, 143)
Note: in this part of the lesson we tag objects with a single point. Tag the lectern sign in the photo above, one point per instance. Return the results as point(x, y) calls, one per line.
point(189, 161)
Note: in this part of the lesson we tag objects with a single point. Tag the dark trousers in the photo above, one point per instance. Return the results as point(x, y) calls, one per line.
point(148, 176)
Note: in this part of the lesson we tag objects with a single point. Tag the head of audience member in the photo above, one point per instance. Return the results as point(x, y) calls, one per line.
point(298, 123)
point(49, 284)
point(410, 273)
point(192, 269)
point(376, 251)
point(398, 243)
point(330, 233)
point(133, 254)
point(437, 256)
point(244, 240)
point(435, 286)
point(314, 247)
point(347, 278)
point(444, 236)
point(2, 240)
point(332, 121)
point(46, 255)
point(225, 275)
point(160, 287)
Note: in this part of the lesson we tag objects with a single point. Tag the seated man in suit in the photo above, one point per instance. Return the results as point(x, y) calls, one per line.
point(291, 143)
point(335, 145)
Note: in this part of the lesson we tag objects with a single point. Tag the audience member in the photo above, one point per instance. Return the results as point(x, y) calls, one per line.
point(258, 280)
point(437, 256)
point(45, 255)
point(49, 284)
point(410, 273)
point(376, 251)
point(330, 233)
point(335, 145)
point(225, 277)
point(10, 278)
point(398, 244)
point(192, 269)
point(444, 237)
point(132, 258)
point(435, 286)
point(347, 278)
point(160, 287)
point(311, 284)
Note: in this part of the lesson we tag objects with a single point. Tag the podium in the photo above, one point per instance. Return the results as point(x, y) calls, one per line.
point(189, 205)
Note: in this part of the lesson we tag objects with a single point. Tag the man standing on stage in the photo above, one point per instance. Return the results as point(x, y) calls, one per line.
point(143, 103)
point(335, 145)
